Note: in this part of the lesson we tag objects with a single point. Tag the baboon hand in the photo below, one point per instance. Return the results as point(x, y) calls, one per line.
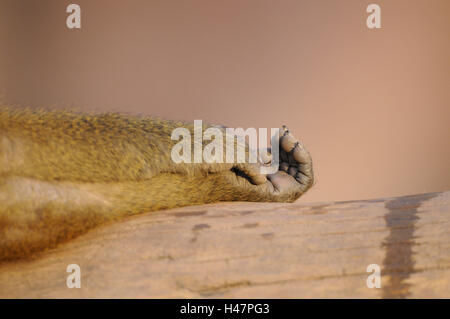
point(293, 178)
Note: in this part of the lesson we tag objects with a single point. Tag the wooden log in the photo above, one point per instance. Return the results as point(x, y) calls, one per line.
point(254, 250)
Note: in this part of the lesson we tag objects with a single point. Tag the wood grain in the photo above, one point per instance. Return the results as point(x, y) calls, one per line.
point(254, 250)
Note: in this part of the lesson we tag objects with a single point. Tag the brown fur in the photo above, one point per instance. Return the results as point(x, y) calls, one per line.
point(62, 173)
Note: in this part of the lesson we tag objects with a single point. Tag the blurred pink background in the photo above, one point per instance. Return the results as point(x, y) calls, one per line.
point(372, 106)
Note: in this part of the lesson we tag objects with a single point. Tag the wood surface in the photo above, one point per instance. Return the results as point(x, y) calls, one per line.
point(253, 250)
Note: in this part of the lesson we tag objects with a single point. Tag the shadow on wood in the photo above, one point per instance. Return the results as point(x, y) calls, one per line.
point(254, 250)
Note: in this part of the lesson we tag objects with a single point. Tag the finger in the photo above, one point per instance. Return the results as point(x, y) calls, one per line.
point(283, 183)
point(252, 171)
point(265, 158)
point(284, 166)
point(292, 170)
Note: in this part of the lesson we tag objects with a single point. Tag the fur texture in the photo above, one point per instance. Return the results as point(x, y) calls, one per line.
point(62, 173)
